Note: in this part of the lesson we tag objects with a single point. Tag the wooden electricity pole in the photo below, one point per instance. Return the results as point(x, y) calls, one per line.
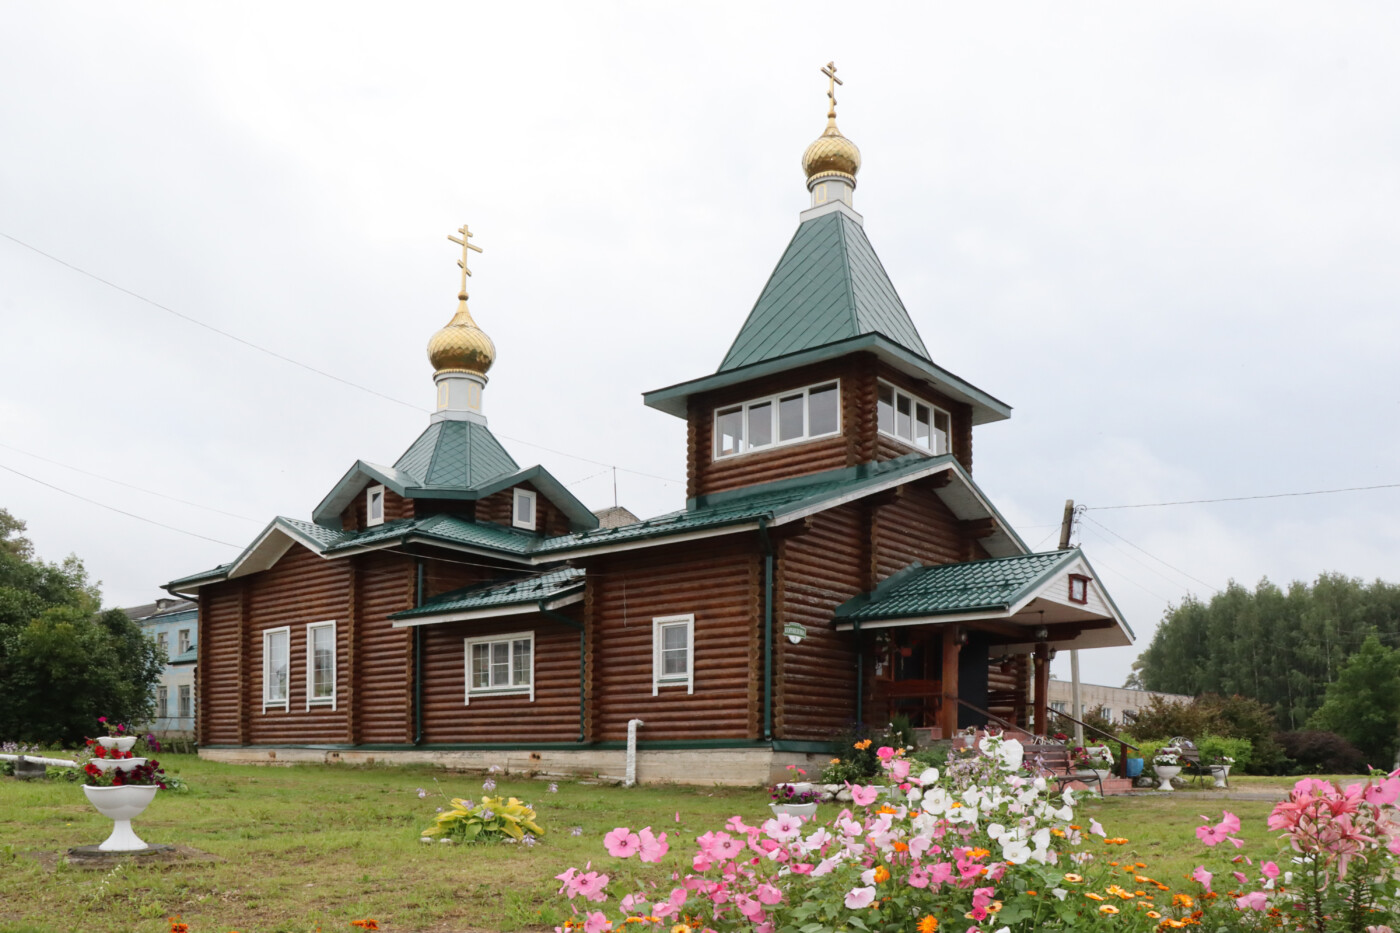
point(1076, 708)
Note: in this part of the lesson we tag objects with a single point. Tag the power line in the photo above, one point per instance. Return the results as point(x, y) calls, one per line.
point(110, 508)
point(149, 492)
point(1165, 599)
point(294, 362)
point(1153, 556)
point(1275, 495)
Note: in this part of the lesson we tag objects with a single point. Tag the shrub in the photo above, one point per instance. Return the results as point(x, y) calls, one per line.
point(1316, 752)
point(1217, 746)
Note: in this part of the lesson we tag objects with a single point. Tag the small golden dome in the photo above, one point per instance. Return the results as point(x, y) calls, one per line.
point(831, 154)
point(461, 346)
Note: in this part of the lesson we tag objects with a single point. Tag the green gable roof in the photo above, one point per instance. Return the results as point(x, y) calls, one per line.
point(496, 594)
point(828, 286)
point(456, 453)
point(946, 588)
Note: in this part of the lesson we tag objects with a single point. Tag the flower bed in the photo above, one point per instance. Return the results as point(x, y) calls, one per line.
point(978, 847)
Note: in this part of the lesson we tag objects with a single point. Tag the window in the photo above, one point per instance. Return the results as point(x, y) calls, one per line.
point(443, 393)
point(374, 506)
point(163, 642)
point(1057, 705)
point(162, 702)
point(501, 664)
point(186, 701)
point(913, 421)
point(788, 418)
point(1108, 714)
point(1078, 588)
point(673, 652)
point(276, 664)
point(183, 641)
point(522, 512)
point(320, 664)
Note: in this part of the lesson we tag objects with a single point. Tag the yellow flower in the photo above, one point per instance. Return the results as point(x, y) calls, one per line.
point(1108, 909)
point(1072, 878)
point(1154, 915)
point(680, 928)
point(835, 761)
point(862, 745)
point(929, 924)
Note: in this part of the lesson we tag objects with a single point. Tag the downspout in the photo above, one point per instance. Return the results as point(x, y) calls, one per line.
point(767, 629)
point(418, 665)
point(565, 620)
point(860, 678)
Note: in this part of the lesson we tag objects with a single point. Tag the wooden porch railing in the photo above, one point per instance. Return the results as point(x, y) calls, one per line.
point(1122, 764)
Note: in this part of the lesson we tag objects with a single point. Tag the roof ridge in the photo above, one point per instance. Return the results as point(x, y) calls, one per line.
point(846, 272)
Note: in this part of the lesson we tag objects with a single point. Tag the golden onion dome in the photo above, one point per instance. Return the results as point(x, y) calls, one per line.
point(831, 154)
point(461, 346)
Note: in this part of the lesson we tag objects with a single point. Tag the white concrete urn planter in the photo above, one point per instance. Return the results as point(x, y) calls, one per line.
point(117, 764)
point(804, 810)
point(1165, 773)
point(122, 743)
point(1103, 774)
point(121, 805)
point(1221, 773)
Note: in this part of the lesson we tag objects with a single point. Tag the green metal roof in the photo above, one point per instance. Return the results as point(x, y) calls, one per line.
point(456, 453)
point(975, 585)
point(828, 286)
point(495, 594)
point(451, 529)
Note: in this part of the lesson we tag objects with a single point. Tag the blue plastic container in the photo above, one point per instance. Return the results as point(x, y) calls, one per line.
point(1134, 767)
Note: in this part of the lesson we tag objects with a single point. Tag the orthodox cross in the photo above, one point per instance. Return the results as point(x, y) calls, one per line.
point(465, 242)
point(830, 72)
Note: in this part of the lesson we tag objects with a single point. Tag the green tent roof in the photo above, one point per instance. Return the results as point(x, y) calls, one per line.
point(828, 286)
point(456, 453)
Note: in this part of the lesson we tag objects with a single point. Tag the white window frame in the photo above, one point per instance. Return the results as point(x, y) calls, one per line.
point(369, 505)
point(533, 499)
point(510, 689)
point(184, 692)
point(268, 701)
point(183, 641)
point(914, 400)
point(311, 699)
point(162, 701)
point(659, 680)
point(163, 642)
point(773, 401)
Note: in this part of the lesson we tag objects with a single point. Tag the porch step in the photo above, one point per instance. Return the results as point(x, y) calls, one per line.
point(1111, 786)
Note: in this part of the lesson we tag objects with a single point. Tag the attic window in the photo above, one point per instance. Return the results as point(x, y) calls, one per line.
point(374, 506)
point(1078, 588)
point(913, 420)
point(786, 418)
point(523, 510)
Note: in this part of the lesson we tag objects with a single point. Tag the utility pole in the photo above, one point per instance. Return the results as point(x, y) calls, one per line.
point(1076, 707)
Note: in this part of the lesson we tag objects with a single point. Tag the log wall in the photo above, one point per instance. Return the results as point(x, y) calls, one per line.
point(355, 515)
point(498, 506)
point(553, 716)
point(720, 583)
point(917, 526)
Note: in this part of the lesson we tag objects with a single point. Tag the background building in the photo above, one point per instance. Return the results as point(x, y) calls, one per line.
point(173, 624)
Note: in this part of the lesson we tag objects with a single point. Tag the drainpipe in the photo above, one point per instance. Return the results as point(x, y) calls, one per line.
point(565, 620)
point(767, 629)
point(418, 666)
point(860, 678)
point(631, 779)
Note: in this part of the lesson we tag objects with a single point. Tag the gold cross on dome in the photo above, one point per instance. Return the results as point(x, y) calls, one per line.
point(830, 72)
point(465, 242)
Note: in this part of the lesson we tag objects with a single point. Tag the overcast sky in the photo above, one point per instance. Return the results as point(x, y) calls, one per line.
point(1166, 235)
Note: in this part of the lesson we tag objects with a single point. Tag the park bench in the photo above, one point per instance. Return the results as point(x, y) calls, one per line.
point(1189, 757)
point(1053, 761)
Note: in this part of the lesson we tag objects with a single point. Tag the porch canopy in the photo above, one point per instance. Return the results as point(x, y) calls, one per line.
point(1020, 604)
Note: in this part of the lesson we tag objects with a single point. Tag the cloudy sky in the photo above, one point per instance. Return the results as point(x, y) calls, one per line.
point(1165, 235)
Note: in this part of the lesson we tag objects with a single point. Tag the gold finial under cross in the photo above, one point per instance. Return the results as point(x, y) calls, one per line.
point(830, 72)
point(464, 241)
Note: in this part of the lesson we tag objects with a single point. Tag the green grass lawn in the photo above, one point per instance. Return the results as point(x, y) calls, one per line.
point(308, 847)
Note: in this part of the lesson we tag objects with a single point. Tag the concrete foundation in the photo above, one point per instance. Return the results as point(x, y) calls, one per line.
point(741, 767)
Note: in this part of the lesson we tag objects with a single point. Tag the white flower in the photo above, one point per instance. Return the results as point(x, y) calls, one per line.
point(1059, 892)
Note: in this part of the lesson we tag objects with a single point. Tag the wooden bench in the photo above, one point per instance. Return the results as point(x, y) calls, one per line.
point(1189, 756)
point(1053, 761)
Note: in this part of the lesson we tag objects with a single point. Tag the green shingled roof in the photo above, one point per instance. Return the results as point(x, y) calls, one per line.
point(530, 589)
point(947, 588)
point(828, 286)
point(448, 528)
point(456, 453)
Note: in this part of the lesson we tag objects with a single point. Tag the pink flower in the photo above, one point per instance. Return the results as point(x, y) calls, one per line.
point(590, 886)
point(1270, 869)
point(1383, 793)
point(918, 878)
point(981, 897)
point(1221, 832)
point(863, 796)
point(748, 906)
point(940, 872)
point(622, 842)
point(725, 846)
point(856, 898)
point(1098, 830)
point(1254, 900)
point(596, 922)
point(767, 894)
point(1203, 876)
point(784, 827)
point(884, 753)
point(653, 848)
point(899, 770)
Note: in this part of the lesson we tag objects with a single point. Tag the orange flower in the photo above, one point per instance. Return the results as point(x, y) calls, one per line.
point(1183, 900)
point(176, 926)
point(929, 924)
point(900, 846)
point(366, 924)
point(882, 874)
point(1140, 864)
point(862, 745)
point(1072, 878)
point(835, 761)
point(1031, 893)
point(1092, 895)
point(1154, 915)
point(978, 853)
point(1108, 909)
point(887, 809)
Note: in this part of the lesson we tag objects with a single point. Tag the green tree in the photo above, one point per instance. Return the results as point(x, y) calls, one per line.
point(63, 661)
point(1363, 704)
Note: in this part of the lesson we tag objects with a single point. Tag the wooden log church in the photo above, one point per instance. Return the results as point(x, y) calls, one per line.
point(834, 564)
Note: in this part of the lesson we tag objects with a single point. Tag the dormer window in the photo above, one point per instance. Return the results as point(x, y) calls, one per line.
point(913, 420)
point(787, 418)
point(1078, 588)
point(374, 506)
point(523, 510)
